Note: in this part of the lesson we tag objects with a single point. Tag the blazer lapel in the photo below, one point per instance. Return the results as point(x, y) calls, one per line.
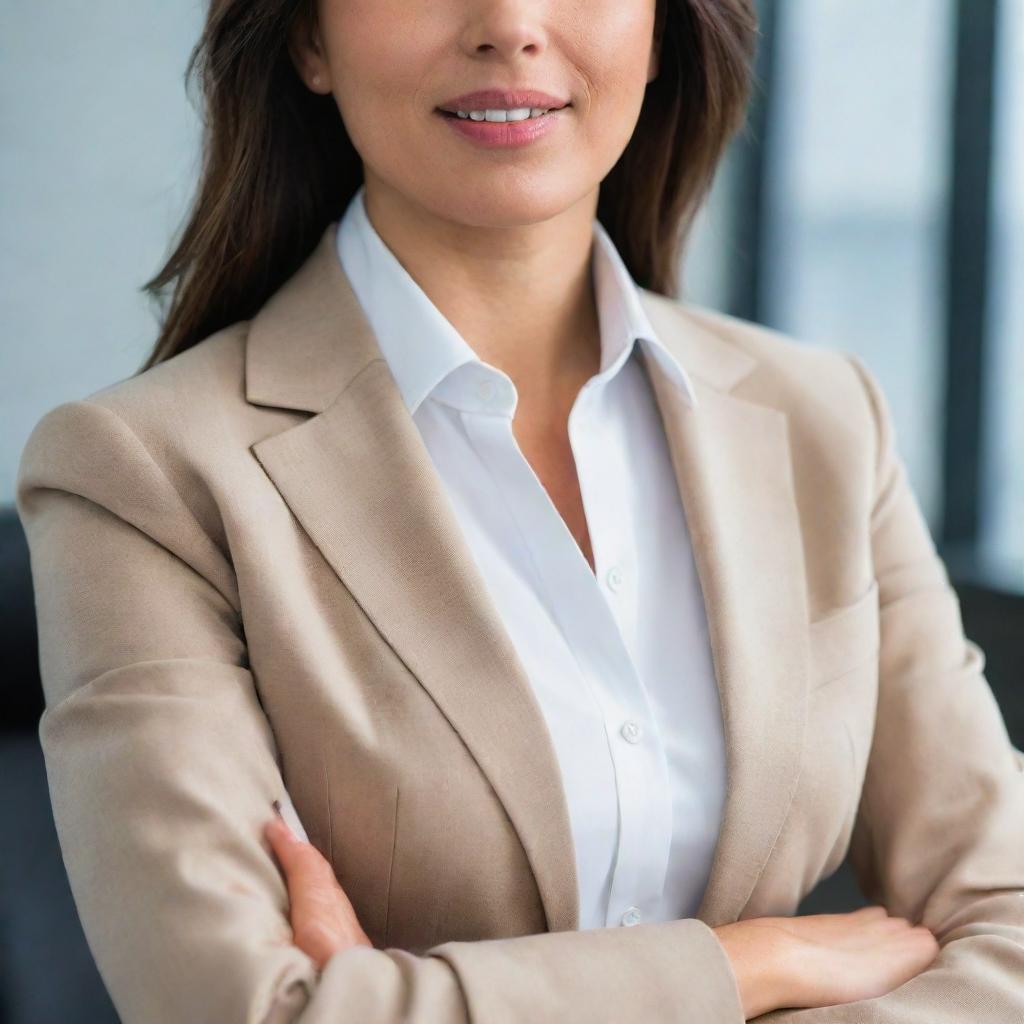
point(359, 479)
point(733, 465)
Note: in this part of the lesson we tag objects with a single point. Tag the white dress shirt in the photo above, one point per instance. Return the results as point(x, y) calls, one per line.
point(620, 661)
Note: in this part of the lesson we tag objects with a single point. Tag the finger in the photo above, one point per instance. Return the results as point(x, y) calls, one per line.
point(323, 919)
point(307, 872)
point(283, 840)
point(874, 910)
point(286, 843)
point(298, 859)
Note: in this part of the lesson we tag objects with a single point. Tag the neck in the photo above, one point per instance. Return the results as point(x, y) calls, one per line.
point(521, 295)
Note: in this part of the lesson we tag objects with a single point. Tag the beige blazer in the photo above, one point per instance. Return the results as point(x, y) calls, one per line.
point(249, 581)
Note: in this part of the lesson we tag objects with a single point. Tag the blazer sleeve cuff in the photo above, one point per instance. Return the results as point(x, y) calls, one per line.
point(658, 973)
point(667, 972)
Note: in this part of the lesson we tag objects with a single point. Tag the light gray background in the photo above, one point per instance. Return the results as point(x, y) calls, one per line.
point(99, 148)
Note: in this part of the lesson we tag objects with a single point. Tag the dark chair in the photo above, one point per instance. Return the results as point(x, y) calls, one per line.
point(46, 971)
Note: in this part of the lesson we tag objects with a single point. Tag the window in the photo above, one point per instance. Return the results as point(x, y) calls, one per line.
point(856, 194)
point(875, 204)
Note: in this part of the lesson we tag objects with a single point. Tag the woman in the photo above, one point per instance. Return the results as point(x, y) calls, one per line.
point(587, 629)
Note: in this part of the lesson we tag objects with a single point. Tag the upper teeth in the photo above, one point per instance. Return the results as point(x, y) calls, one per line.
point(518, 114)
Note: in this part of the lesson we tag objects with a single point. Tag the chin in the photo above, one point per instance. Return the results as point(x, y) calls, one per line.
point(480, 202)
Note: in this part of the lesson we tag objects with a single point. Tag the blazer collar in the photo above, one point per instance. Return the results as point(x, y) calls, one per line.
point(359, 479)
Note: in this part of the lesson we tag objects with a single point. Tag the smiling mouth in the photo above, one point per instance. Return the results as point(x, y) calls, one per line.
point(480, 116)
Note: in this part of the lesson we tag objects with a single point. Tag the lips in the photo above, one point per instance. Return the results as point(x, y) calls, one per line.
point(503, 99)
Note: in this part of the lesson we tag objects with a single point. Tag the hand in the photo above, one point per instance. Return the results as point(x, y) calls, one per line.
point(322, 918)
point(823, 959)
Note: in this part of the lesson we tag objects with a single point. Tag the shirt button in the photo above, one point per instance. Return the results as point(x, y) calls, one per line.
point(614, 578)
point(631, 917)
point(485, 389)
point(632, 731)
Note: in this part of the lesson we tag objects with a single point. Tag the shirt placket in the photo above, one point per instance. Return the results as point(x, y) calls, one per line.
point(573, 598)
point(635, 740)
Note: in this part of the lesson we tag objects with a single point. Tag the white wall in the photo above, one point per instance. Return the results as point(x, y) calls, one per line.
point(99, 147)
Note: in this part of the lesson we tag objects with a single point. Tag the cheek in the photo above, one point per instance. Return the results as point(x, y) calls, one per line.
point(613, 55)
point(382, 52)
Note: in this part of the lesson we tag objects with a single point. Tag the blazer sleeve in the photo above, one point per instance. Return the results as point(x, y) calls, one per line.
point(939, 834)
point(162, 767)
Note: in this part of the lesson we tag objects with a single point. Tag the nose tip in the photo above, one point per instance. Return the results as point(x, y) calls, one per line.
point(507, 32)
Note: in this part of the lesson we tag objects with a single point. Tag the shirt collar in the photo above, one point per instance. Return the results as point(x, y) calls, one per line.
point(423, 348)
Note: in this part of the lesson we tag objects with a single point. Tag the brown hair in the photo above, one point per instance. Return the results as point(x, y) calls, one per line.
point(278, 165)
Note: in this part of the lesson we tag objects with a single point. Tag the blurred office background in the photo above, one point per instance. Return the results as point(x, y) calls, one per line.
point(874, 203)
